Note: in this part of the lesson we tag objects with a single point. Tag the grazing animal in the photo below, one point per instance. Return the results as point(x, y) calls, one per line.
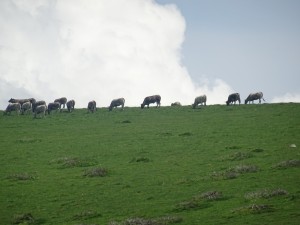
point(41, 109)
point(12, 107)
point(232, 98)
point(199, 100)
point(116, 103)
point(26, 107)
point(36, 104)
point(70, 105)
point(151, 99)
point(61, 101)
point(92, 106)
point(176, 104)
point(254, 96)
point(21, 101)
point(53, 106)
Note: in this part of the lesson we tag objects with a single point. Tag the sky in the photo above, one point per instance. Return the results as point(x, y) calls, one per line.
point(101, 50)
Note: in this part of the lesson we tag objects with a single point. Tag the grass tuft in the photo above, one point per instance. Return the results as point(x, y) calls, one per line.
point(141, 221)
point(25, 218)
point(140, 159)
point(21, 176)
point(199, 201)
point(244, 169)
point(266, 193)
point(257, 150)
point(70, 162)
point(254, 209)
point(234, 172)
point(212, 195)
point(88, 214)
point(237, 156)
point(96, 172)
point(288, 164)
point(186, 134)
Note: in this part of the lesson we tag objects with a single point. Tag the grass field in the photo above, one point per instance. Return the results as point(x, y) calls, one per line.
point(170, 165)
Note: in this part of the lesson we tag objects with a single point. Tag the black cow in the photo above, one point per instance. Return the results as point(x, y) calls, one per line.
point(12, 107)
point(116, 103)
point(70, 105)
point(61, 101)
point(53, 106)
point(254, 96)
point(151, 99)
point(232, 98)
point(92, 106)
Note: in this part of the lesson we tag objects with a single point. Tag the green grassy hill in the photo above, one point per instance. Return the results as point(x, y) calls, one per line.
point(213, 165)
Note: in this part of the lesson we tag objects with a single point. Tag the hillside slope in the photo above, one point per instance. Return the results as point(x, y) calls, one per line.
point(212, 165)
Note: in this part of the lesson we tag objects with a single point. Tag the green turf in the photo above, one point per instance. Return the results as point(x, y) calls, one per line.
point(212, 165)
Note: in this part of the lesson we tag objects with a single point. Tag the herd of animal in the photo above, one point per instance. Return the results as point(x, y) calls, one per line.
point(30, 105)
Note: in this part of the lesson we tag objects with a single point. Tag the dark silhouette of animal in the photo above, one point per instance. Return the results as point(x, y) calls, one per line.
point(12, 107)
point(92, 106)
point(116, 103)
point(232, 98)
point(53, 106)
point(254, 96)
point(21, 101)
point(26, 107)
point(61, 101)
point(36, 104)
point(151, 99)
point(40, 109)
point(199, 100)
point(70, 105)
point(176, 104)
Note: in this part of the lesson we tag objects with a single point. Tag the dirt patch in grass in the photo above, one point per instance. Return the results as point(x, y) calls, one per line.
point(70, 162)
point(287, 164)
point(96, 172)
point(142, 221)
point(265, 193)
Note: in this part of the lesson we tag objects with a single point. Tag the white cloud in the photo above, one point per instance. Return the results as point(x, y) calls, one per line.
point(288, 97)
point(96, 50)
